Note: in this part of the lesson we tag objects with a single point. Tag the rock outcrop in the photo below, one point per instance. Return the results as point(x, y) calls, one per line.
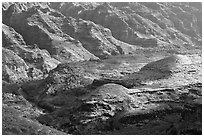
point(98, 40)
point(18, 115)
point(35, 58)
point(111, 108)
point(166, 67)
point(101, 68)
point(95, 112)
point(55, 30)
point(42, 30)
point(61, 87)
point(13, 67)
point(141, 23)
point(114, 109)
point(15, 124)
point(168, 64)
point(164, 114)
point(175, 69)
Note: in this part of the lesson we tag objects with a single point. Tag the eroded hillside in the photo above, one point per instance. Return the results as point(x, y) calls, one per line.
point(101, 68)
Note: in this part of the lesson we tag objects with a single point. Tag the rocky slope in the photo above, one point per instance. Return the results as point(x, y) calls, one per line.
point(101, 68)
point(57, 32)
point(34, 58)
point(37, 28)
point(144, 24)
point(103, 107)
point(18, 115)
point(114, 109)
point(13, 67)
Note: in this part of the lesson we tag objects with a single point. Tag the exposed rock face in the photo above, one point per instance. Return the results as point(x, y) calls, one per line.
point(19, 114)
point(112, 106)
point(54, 30)
point(84, 108)
point(179, 69)
point(174, 70)
point(10, 38)
point(95, 111)
point(37, 27)
point(98, 40)
point(164, 114)
point(61, 87)
point(15, 124)
point(133, 23)
point(141, 23)
point(66, 68)
point(33, 56)
point(13, 67)
point(168, 64)
point(103, 108)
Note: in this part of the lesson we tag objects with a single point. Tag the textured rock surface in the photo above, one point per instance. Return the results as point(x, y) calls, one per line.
point(38, 27)
point(101, 68)
point(54, 30)
point(18, 115)
point(61, 87)
point(98, 40)
point(103, 108)
point(111, 107)
point(171, 71)
point(13, 67)
point(179, 112)
point(142, 24)
point(33, 57)
point(19, 120)
point(94, 112)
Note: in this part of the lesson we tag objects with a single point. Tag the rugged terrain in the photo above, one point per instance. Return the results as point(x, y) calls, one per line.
point(101, 68)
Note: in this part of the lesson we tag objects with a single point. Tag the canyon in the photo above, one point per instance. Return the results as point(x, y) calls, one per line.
point(103, 68)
